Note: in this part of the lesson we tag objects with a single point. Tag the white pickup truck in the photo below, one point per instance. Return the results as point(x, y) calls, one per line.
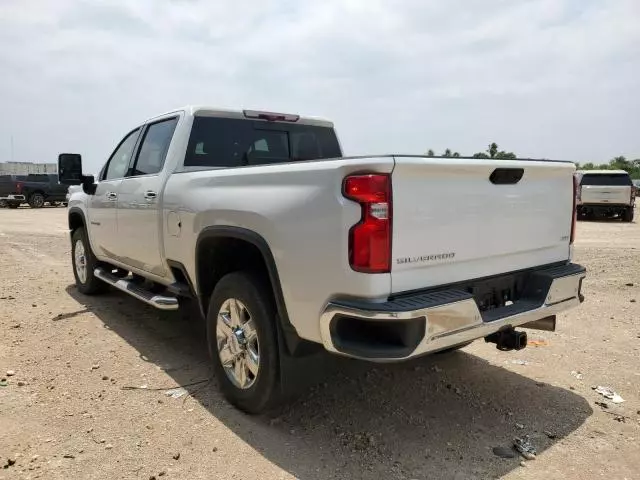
point(605, 192)
point(287, 247)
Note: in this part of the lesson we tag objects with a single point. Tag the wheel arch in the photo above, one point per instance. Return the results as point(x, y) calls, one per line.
point(254, 247)
point(76, 219)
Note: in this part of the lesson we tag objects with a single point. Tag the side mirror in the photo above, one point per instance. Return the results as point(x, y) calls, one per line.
point(70, 173)
point(70, 169)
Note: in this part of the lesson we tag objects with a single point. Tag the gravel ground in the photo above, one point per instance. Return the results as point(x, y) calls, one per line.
point(65, 411)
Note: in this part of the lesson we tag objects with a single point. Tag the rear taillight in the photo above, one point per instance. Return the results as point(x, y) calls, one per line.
point(19, 187)
point(370, 239)
point(576, 192)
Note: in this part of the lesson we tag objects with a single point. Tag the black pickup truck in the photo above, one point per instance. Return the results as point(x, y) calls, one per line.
point(34, 189)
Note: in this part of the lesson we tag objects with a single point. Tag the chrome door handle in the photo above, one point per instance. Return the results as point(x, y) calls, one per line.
point(112, 196)
point(150, 195)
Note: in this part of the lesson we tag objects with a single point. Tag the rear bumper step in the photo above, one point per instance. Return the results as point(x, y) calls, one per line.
point(426, 322)
point(161, 302)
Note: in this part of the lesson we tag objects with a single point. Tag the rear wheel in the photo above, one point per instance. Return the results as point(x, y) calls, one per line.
point(242, 340)
point(36, 200)
point(627, 215)
point(14, 205)
point(84, 263)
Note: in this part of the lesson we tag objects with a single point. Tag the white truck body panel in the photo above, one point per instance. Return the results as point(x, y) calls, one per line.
point(298, 209)
point(614, 194)
point(450, 223)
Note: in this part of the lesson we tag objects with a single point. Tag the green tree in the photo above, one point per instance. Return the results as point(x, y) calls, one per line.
point(430, 153)
point(620, 163)
point(456, 154)
point(493, 149)
point(480, 155)
point(447, 153)
point(505, 155)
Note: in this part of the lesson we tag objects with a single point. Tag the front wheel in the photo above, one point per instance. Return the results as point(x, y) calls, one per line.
point(84, 264)
point(36, 200)
point(241, 335)
point(13, 205)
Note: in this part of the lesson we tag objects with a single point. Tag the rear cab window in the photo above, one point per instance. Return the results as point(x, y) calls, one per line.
point(606, 179)
point(235, 142)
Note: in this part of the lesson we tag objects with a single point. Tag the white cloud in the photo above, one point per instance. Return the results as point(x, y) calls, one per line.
point(549, 78)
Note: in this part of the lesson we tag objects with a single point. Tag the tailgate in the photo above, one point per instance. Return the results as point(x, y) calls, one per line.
point(451, 222)
point(594, 194)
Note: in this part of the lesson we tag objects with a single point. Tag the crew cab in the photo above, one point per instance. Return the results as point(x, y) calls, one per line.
point(605, 192)
point(288, 248)
point(36, 189)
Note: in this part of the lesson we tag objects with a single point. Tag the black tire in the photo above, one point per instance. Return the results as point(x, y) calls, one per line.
point(14, 205)
point(36, 200)
point(627, 215)
point(256, 297)
point(3, 204)
point(87, 284)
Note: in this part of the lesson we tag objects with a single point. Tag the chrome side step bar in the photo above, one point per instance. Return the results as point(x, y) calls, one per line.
point(161, 302)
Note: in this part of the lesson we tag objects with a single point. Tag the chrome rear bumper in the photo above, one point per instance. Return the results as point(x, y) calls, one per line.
point(430, 321)
point(13, 198)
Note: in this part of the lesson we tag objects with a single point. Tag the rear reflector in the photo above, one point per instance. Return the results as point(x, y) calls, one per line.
point(370, 238)
point(271, 116)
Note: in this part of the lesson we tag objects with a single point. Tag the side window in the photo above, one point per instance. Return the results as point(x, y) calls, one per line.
point(119, 161)
point(155, 144)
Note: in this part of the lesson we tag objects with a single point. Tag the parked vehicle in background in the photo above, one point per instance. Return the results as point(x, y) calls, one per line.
point(36, 189)
point(287, 248)
point(10, 190)
point(606, 193)
point(636, 186)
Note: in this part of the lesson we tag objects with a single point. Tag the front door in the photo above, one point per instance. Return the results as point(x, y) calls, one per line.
point(139, 216)
point(103, 204)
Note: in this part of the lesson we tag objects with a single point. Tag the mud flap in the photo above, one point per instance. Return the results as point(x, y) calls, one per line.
point(300, 372)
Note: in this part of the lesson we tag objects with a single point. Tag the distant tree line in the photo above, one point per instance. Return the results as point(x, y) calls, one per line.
point(493, 151)
point(616, 163)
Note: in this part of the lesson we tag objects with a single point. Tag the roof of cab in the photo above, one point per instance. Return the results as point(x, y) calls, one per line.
point(209, 111)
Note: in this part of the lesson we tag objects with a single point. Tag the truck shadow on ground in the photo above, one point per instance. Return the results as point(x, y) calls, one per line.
point(435, 417)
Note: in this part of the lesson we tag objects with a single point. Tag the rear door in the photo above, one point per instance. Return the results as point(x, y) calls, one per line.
point(605, 188)
point(455, 220)
point(58, 192)
point(139, 200)
point(102, 205)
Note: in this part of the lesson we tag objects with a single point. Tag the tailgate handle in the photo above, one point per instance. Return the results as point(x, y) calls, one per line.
point(506, 176)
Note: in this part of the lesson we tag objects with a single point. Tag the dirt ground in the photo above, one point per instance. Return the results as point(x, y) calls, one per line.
point(66, 413)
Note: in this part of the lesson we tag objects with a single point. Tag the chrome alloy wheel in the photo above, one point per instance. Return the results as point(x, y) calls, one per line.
point(80, 261)
point(237, 341)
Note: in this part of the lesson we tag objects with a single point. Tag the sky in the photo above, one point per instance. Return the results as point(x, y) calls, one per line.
point(543, 78)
